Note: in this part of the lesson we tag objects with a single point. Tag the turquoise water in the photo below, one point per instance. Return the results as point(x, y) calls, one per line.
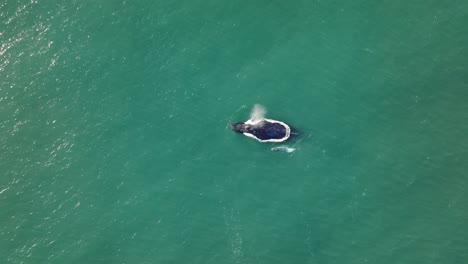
point(114, 146)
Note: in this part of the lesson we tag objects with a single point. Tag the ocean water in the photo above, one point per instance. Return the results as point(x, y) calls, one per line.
point(114, 145)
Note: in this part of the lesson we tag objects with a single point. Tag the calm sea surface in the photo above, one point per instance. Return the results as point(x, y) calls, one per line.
point(114, 146)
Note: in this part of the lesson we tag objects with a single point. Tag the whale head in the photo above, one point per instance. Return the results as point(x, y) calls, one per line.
point(239, 127)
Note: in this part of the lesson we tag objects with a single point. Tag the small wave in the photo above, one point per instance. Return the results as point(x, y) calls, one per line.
point(283, 149)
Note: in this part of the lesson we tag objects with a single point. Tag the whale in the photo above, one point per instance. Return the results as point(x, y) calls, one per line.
point(263, 129)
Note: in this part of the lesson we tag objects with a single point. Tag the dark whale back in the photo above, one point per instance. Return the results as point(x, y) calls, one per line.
point(265, 130)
